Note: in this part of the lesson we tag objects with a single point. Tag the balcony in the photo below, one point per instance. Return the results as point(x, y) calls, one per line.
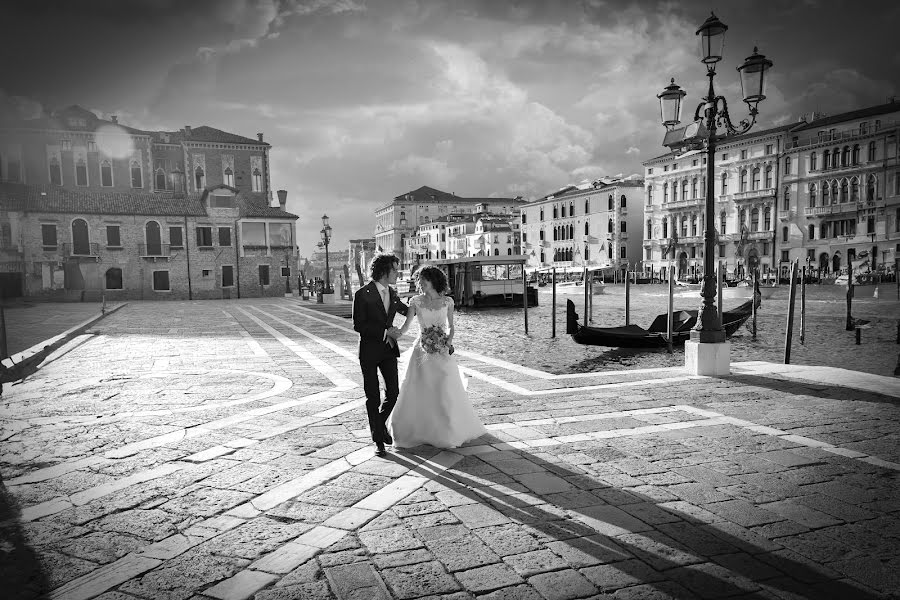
point(785, 215)
point(840, 136)
point(692, 239)
point(699, 201)
point(750, 195)
point(760, 235)
point(87, 250)
point(154, 251)
point(834, 209)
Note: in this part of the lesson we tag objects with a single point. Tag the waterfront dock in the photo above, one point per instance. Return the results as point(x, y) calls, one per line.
point(219, 450)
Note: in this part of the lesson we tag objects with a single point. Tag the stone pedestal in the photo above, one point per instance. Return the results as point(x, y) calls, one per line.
point(328, 298)
point(707, 359)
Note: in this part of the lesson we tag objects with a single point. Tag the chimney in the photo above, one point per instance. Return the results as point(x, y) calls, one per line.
point(187, 131)
point(260, 136)
point(282, 198)
point(114, 119)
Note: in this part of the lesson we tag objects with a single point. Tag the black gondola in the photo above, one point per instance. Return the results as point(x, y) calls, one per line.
point(634, 336)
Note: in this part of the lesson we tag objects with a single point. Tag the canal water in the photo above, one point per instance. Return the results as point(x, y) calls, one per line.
point(500, 331)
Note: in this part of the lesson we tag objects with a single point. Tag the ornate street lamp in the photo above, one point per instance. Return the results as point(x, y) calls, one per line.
point(711, 113)
point(326, 237)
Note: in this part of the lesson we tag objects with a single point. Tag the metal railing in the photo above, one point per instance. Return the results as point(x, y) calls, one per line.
point(750, 194)
point(154, 250)
point(80, 249)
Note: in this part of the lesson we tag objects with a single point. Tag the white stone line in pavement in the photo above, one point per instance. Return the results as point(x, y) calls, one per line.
point(252, 343)
point(333, 375)
point(351, 356)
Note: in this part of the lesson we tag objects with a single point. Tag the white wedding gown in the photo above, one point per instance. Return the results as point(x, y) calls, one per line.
point(433, 406)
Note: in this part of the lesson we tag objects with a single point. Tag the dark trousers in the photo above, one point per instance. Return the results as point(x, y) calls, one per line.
point(378, 414)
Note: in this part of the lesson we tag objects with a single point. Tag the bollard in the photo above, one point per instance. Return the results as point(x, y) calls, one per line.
point(103, 306)
point(875, 293)
point(858, 336)
point(4, 353)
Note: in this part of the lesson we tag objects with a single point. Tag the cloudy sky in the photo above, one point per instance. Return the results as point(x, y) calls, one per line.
point(364, 100)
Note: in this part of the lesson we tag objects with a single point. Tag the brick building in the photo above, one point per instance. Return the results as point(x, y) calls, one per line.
point(90, 207)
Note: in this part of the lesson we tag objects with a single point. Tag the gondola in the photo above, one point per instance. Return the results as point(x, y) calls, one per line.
point(634, 336)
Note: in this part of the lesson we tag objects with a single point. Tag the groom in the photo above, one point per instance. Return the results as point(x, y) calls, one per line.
point(374, 307)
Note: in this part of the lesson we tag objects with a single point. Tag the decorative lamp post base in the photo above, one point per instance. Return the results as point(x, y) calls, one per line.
point(704, 358)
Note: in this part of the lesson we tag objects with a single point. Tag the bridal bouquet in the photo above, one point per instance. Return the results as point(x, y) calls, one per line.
point(434, 339)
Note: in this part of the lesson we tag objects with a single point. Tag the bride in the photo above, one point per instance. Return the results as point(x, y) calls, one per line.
point(433, 407)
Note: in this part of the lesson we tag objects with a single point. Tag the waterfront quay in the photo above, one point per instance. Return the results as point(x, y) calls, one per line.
point(219, 450)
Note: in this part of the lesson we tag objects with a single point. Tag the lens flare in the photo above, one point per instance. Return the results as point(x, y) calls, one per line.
point(114, 142)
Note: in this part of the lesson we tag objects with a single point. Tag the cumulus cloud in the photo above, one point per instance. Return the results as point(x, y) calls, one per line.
point(437, 172)
point(633, 150)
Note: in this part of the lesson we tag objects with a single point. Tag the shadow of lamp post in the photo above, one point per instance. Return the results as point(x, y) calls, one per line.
point(709, 352)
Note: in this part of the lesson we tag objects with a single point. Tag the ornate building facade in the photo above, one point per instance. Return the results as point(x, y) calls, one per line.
point(95, 208)
point(596, 226)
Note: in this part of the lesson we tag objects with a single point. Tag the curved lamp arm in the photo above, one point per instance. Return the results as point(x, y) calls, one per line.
point(724, 120)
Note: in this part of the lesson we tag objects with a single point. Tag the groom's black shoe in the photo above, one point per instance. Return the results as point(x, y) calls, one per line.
point(379, 450)
point(387, 437)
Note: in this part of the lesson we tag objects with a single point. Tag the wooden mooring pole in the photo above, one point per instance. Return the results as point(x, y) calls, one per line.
point(553, 308)
point(4, 349)
point(790, 316)
point(803, 308)
point(584, 281)
point(753, 305)
point(671, 308)
point(627, 299)
point(525, 297)
point(849, 324)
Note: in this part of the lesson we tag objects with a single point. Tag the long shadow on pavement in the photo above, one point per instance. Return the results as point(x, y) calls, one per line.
point(813, 388)
point(21, 573)
point(678, 556)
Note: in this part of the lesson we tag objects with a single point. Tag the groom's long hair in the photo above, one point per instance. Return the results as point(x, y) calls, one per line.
point(381, 265)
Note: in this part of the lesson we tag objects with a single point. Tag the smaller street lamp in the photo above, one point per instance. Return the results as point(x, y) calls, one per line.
point(326, 237)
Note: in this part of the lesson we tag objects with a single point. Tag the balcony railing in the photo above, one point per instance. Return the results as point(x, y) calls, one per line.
point(154, 250)
point(684, 203)
point(834, 209)
point(81, 249)
point(753, 194)
point(759, 235)
point(842, 135)
point(691, 239)
point(785, 215)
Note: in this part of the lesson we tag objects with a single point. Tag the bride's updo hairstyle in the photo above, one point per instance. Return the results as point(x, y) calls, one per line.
point(435, 277)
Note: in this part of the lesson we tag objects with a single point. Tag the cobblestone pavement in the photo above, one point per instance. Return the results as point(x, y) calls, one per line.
point(219, 450)
point(28, 323)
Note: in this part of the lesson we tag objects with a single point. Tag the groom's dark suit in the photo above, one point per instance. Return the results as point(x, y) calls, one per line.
point(371, 321)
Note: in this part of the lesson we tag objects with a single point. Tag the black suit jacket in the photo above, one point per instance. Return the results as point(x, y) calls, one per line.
point(371, 321)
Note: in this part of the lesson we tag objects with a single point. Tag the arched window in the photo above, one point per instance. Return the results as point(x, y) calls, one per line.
point(787, 199)
point(649, 195)
point(555, 233)
point(854, 190)
point(754, 219)
point(787, 165)
point(825, 155)
point(623, 201)
point(870, 188)
point(684, 189)
point(826, 200)
point(257, 180)
point(845, 156)
point(768, 176)
point(742, 220)
point(541, 235)
point(784, 234)
point(55, 171)
point(611, 202)
point(199, 178)
point(106, 174)
point(571, 208)
point(674, 191)
point(496, 251)
point(81, 240)
point(845, 190)
point(587, 206)
point(835, 156)
point(571, 232)
point(755, 182)
point(665, 228)
point(724, 183)
point(542, 213)
point(694, 225)
point(586, 252)
point(812, 162)
point(5, 235)
point(113, 278)
point(543, 257)
point(855, 154)
point(81, 174)
point(562, 210)
point(623, 227)
point(684, 226)
point(834, 192)
point(229, 177)
point(768, 219)
point(153, 238)
point(665, 193)
point(137, 177)
point(722, 222)
point(160, 179)
point(872, 151)
point(811, 232)
point(587, 228)
point(812, 195)
point(649, 229)
point(694, 187)
point(609, 227)
point(508, 253)
point(743, 184)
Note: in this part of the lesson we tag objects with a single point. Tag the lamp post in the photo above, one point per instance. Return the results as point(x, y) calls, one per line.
point(711, 113)
point(326, 237)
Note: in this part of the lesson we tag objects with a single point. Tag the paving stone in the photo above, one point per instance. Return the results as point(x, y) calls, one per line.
point(460, 553)
point(430, 520)
point(304, 511)
point(101, 547)
point(177, 578)
point(544, 483)
point(507, 539)
point(622, 574)
point(477, 515)
point(389, 540)
point(609, 520)
point(799, 513)
point(255, 538)
point(241, 586)
point(658, 550)
point(404, 557)
point(562, 585)
point(747, 566)
point(413, 581)
point(532, 563)
point(488, 578)
point(316, 590)
point(357, 580)
point(665, 590)
point(743, 513)
point(148, 524)
point(516, 592)
point(709, 580)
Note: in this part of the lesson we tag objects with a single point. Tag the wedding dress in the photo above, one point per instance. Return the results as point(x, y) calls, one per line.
point(433, 406)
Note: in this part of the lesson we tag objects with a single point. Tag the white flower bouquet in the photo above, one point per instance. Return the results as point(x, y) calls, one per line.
point(434, 339)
